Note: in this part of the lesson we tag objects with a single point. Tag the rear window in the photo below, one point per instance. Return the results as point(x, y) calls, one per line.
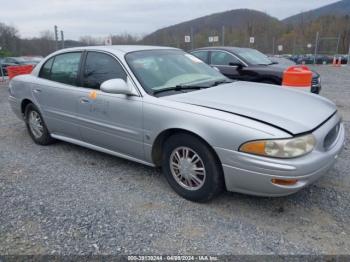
point(63, 68)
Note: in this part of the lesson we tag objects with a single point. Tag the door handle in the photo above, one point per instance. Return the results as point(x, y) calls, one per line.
point(37, 90)
point(84, 100)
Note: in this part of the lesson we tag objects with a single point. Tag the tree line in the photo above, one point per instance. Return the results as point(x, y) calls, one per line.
point(268, 35)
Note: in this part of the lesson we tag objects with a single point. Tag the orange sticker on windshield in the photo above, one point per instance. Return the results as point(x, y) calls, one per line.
point(93, 94)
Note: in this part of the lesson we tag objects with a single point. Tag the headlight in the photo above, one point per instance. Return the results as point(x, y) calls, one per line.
point(281, 148)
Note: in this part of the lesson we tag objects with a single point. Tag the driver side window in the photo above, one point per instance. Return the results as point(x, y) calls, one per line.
point(100, 67)
point(222, 58)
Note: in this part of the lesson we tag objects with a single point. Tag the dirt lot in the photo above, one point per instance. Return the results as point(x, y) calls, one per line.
point(64, 199)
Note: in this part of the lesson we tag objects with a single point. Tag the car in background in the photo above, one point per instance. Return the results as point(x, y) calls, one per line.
point(281, 60)
point(309, 59)
point(2, 68)
point(163, 107)
point(11, 61)
point(344, 59)
point(32, 60)
point(22, 60)
point(14, 61)
point(246, 64)
point(18, 61)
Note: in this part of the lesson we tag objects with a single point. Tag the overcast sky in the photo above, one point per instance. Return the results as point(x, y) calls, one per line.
point(100, 18)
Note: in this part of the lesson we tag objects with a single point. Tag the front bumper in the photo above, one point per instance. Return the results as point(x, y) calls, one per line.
point(316, 85)
point(253, 175)
point(316, 88)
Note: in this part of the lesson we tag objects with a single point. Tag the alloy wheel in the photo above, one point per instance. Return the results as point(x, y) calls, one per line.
point(187, 168)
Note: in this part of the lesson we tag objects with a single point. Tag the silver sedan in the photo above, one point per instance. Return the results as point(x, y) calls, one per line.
point(165, 108)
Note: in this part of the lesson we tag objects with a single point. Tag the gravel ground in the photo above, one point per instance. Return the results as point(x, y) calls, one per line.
point(65, 199)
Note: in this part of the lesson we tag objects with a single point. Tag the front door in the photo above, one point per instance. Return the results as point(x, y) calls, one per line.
point(111, 121)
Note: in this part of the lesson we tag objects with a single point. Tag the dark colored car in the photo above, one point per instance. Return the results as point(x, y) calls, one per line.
point(310, 59)
point(282, 60)
point(3, 65)
point(32, 60)
point(15, 61)
point(11, 61)
point(248, 64)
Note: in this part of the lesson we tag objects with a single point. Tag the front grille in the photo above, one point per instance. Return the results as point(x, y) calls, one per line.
point(331, 136)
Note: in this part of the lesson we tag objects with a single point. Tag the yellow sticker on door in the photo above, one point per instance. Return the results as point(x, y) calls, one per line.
point(93, 94)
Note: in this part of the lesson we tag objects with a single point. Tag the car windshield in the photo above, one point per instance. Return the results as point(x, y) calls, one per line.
point(159, 70)
point(254, 57)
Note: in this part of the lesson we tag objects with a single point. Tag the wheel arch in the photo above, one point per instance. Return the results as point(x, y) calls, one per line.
point(24, 104)
point(157, 148)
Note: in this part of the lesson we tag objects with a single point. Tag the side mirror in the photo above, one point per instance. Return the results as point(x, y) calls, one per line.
point(237, 64)
point(117, 86)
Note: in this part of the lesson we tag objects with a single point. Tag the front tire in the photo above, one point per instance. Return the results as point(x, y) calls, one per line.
point(192, 168)
point(36, 126)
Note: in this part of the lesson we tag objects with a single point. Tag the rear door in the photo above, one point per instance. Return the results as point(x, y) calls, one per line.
point(222, 61)
point(56, 93)
point(111, 121)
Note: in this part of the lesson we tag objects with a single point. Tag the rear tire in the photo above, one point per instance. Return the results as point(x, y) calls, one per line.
point(192, 168)
point(36, 126)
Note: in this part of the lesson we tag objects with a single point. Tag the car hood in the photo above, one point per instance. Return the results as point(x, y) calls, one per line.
point(290, 110)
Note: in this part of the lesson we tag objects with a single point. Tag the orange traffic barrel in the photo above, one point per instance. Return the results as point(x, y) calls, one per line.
point(339, 62)
point(334, 61)
point(298, 77)
point(13, 71)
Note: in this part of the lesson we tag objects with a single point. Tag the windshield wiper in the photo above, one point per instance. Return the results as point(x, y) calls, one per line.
point(191, 87)
point(219, 82)
point(179, 88)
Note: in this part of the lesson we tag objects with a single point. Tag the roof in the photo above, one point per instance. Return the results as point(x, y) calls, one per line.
point(119, 48)
point(225, 48)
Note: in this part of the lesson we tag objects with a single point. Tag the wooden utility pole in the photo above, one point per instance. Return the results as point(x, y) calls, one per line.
point(56, 37)
point(62, 39)
point(316, 46)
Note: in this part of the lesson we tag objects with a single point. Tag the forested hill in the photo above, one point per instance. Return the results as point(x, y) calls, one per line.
point(294, 33)
point(339, 8)
point(250, 20)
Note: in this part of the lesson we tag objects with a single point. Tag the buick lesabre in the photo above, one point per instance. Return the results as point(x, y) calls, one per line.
point(165, 108)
